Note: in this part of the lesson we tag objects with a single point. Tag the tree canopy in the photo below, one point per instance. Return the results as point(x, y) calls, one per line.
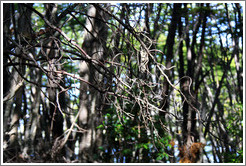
point(122, 82)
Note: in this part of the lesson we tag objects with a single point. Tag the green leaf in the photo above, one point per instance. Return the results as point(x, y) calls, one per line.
point(145, 146)
point(126, 151)
point(101, 148)
point(100, 127)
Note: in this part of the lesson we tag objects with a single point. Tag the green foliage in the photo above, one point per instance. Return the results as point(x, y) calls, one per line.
point(161, 155)
point(235, 120)
point(126, 137)
point(164, 143)
point(234, 157)
point(133, 127)
point(235, 130)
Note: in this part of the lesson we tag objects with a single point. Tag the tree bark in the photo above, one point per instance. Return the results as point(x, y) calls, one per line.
point(90, 99)
point(169, 54)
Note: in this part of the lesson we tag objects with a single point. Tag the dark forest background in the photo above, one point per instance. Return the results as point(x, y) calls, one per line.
point(122, 82)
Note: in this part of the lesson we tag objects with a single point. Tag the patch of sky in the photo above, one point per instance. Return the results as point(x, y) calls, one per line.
point(76, 149)
point(41, 109)
point(44, 77)
point(21, 126)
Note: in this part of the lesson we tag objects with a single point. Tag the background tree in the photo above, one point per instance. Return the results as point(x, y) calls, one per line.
point(124, 82)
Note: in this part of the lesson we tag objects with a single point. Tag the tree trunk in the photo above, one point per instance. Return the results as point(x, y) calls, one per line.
point(55, 112)
point(90, 99)
point(16, 87)
point(169, 53)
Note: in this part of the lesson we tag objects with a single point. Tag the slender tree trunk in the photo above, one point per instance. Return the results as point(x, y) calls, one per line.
point(16, 87)
point(169, 53)
point(33, 127)
point(55, 112)
point(6, 72)
point(90, 99)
